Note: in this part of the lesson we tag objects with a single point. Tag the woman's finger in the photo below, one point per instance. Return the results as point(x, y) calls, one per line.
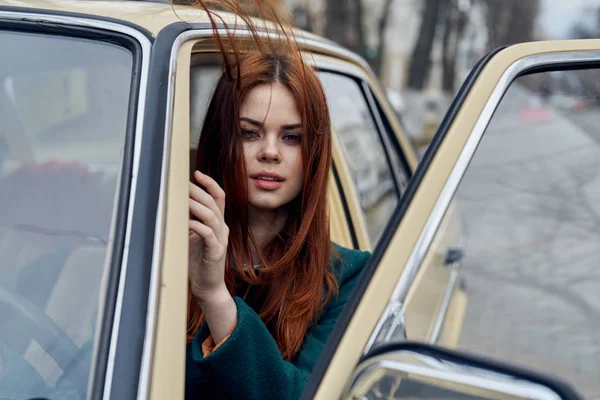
point(206, 216)
point(205, 232)
point(203, 197)
point(212, 188)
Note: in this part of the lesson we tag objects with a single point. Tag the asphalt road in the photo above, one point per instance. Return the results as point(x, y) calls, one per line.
point(530, 206)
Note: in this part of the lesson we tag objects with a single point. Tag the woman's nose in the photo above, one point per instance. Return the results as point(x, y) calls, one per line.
point(270, 150)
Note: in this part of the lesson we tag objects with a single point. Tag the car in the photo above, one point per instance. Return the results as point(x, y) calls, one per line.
point(101, 104)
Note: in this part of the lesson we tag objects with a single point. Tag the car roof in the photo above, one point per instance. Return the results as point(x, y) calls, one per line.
point(150, 15)
point(154, 15)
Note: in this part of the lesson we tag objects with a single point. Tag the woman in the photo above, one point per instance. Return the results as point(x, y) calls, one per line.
point(266, 283)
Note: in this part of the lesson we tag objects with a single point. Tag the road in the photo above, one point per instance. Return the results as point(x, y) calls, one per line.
point(530, 207)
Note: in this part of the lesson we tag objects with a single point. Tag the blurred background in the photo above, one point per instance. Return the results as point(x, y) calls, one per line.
point(422, 50)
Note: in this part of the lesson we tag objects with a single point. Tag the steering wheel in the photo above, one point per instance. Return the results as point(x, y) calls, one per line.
point(28, 319)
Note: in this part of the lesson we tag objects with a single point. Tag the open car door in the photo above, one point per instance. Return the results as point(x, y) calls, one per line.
point(520, 163)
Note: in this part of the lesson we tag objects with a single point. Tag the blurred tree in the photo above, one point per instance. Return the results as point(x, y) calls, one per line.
point(377, 60)
point(302, 18)
point(580, 30)
point(454, 25)
point(345, 24)
point(511, 21)
point(421, 56)
point(588, 28)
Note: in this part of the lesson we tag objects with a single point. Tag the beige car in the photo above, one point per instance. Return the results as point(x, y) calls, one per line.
point(101, 105)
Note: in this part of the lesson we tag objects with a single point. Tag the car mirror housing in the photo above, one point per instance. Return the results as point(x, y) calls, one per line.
point(408, 370)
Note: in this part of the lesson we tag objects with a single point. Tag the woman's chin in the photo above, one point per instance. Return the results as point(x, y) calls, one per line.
point(267, 202)
point(266, 205)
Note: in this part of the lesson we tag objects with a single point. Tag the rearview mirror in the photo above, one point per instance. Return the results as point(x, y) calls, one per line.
point(414, 371)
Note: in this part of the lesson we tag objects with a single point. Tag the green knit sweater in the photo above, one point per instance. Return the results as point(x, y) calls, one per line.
point(248, 365)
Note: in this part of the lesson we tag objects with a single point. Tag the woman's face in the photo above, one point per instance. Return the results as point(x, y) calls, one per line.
point(272, 135)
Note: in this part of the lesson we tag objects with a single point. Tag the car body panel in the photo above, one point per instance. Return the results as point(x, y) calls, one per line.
point(167, 361)
point(427, 207)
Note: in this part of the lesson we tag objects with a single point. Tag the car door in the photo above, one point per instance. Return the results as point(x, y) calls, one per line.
point(557, 288)
point(380, 162)
point(78, 207)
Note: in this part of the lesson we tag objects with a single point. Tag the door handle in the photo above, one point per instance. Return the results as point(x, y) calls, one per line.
point(452, 260)
point(453, 255)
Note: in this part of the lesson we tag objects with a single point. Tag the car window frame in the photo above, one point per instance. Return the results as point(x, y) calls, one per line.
point(120, 259)
point(343, 196)
point(387, 137)
point(402, 172)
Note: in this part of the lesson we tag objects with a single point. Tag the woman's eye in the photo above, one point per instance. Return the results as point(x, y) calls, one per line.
point(292, 137)
point(249, 133)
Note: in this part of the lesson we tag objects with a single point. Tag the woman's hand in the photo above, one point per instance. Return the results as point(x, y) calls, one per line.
point(208, 238)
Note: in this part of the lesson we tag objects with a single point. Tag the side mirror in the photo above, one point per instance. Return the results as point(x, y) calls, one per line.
point(419, 371)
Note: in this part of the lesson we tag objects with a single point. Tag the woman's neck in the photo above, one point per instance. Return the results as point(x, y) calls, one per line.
point(265, 225)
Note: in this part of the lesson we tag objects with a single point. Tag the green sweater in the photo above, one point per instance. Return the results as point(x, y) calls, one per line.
point(249, 364)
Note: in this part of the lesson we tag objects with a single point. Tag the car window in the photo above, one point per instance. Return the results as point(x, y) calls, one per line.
point(64, 106)
point(203, 80)
point(530, 210)
point(364, 150)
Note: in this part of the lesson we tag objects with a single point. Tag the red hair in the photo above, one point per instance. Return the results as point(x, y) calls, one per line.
point(295, 281)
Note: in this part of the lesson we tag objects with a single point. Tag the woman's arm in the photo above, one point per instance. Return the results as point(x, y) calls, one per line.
point(220, 312)
point(249, 365)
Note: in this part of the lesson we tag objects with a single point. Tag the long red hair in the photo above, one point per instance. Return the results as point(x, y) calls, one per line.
point(295, 281)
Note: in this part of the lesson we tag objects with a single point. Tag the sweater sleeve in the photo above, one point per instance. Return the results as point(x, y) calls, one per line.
point(249, 365)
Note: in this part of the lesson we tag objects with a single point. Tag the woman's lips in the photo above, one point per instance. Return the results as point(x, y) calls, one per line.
point(267, 184)
point(268, 180)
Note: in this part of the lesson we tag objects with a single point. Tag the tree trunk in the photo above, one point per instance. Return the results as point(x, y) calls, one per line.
point(447, 43)
point(358, 27)
point(421, 56)
point(510, 21)
point(345, 24)
point(336, 15)
point(377, 62)
point(453, 32)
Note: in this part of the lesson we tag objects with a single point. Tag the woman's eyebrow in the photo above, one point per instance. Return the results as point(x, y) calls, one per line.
point(290, 127)
point(251, 121)
point(258, 124)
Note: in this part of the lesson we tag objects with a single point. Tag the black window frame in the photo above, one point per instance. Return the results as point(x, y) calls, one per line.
point(387, 138)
